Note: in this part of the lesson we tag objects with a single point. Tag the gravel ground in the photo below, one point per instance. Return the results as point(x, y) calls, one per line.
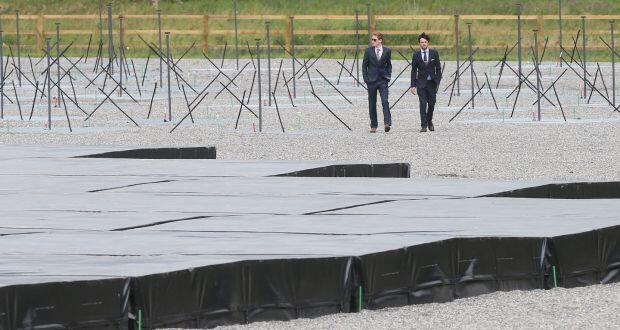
point(480, 143)
point(593, 307)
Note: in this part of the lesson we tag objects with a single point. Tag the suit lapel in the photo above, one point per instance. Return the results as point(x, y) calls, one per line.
point(420, 58)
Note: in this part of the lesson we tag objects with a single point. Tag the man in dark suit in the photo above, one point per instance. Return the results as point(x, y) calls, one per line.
point(377, 70)
point(425, 78)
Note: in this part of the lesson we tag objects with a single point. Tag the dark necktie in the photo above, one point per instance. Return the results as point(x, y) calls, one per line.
point(424, 57)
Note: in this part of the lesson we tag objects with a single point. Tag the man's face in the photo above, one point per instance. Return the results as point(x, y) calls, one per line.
point(376, 42)
point(423, 43)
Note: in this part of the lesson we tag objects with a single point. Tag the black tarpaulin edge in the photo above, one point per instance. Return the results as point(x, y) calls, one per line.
point(284, 289)
point(94, 304)
point(455, 268)
point(586, 258)
point(245, 291)
point(571, 190)
point(390, 170)
point(159, 153)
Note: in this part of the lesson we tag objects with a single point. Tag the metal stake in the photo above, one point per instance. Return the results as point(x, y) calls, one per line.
point(161, 72)
point(100, 22)
point(537, 70)
point(236, 33)
point(293, 59)
point(458, 60)
point(560, 23)
point(17, 40)
point(49, 85)
point(471, 63)
point(357, 42)
point(110, 41)
point(120, 53)
point(224, 54)
point(278, 111)
point(268, 60)
point(275, 87)
point(519, 38)
point(260, 96)
point(168, 72)
point(340, 73)
point(90, 39)
point(58, 61)
point(583, 38)
point(1, 74)
point(613, 65)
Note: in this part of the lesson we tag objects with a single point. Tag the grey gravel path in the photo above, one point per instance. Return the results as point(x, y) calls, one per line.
point(480, 143)
point(593, 307)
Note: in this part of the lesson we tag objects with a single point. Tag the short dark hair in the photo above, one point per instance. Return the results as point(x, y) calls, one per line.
point(379, 35)
point(425, 36)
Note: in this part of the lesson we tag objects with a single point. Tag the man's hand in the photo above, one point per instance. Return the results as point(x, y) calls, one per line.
point(414, 91)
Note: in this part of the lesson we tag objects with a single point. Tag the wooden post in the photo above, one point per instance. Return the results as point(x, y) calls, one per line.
point(373, 24)
point(205, 34)
point(540, 31)
point(40, 31)
point(287, 36)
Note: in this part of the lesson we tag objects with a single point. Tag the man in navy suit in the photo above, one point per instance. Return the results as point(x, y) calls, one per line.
point(377, 70)
point(425, 78)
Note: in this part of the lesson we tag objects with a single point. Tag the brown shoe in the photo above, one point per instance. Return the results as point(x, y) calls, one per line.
point(387, 128)
point(373, 130)
point(431, 127)
point(423, 130)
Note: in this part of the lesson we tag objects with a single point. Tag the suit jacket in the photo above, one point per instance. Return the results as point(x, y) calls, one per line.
point(420, 70)
point(374, 69)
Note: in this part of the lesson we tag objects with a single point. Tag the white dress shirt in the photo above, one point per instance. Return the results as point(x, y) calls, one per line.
point(379, 52)
point(425, 55)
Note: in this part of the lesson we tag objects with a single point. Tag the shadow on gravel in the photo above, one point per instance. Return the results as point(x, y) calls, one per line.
point(394, 170)
point(576, 190)
point(159, 153)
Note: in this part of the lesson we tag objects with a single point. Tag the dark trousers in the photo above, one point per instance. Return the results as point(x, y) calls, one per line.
point(382, 86)
point(428, 97)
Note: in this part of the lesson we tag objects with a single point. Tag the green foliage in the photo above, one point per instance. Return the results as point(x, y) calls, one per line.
point(391, 7)
point(492, 35)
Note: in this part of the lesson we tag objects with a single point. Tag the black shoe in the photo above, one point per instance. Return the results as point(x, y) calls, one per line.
point(423, 130)
point(431, 127)
point(387, 128)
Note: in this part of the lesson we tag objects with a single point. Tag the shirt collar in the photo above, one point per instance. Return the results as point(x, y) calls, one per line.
point(379, 47)
point(424, 50)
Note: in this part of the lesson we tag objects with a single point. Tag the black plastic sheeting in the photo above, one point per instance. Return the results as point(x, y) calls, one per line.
point(284, 289)
point(447, 270)
point(244, 292)
point(97, 304)
point(159, 153)
point(577, 190)
point(394, 170)
point(591, 257)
